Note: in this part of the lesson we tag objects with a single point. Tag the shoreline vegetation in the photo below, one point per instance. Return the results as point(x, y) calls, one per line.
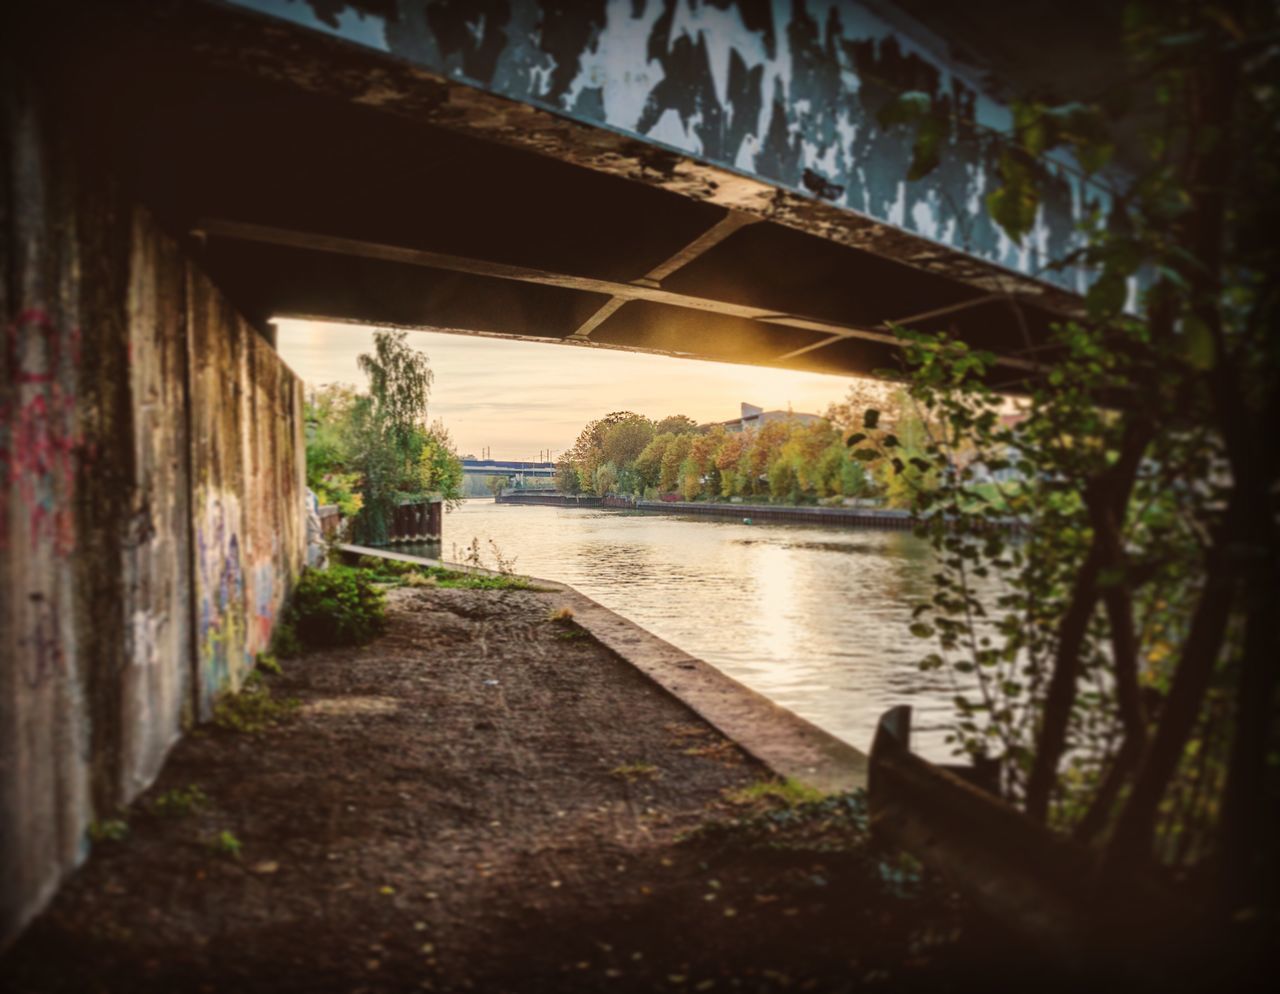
point(787, 461)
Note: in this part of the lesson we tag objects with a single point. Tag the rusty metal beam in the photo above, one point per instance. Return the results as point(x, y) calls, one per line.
point(298, 57)
point(708, 240)
point(623, 292)
point(986, 298)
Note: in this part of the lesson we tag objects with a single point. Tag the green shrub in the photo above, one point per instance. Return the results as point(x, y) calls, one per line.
point(337, 606)
point(254, 709)
point(284, 639)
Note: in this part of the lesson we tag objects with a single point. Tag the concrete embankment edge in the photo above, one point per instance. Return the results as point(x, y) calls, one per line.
point(780, 739)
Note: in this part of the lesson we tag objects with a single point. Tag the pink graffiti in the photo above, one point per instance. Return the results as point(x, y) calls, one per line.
point(38, 454)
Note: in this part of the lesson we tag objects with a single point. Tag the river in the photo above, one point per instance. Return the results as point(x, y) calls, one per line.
point(813, 618)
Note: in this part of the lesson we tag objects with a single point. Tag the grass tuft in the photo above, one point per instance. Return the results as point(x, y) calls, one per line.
point(179, 802)
point(785, 793)
point(253, 709)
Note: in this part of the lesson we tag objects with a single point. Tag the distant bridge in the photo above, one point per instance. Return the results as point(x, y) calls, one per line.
point(478, 472)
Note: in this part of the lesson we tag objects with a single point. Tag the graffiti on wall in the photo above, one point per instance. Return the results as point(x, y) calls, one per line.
point(238, 595)
point(41, 435)
point(219, 591)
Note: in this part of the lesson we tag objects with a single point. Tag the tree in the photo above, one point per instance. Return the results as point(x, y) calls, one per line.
point(393, 450)
point(439, 468)
point(673, 457)
point(606, 481)
point(648, 465)
point(727, 460)
point(567, 478)
point(676, 424)
point(331, 446)
point(399, 386)
point(588, 450)
point(864, 393)
point(1126, 677)
point(496, 485)
point(624, 441)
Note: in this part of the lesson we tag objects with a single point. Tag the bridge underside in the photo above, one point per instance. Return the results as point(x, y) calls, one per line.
point(316, 179)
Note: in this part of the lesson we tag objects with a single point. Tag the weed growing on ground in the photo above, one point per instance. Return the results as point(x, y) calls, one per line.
point(338, 606)
point(268, 664)
point(226, 844)
point(109, 830)
point(391, 571)
point(285, 643)
point(785, 793)
point(631, 772)
point(506, 566)
point(472, 558)
point(395, 574)
point(253, 709)
point(179, 802)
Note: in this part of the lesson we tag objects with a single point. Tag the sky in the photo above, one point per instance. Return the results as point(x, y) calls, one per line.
point(521, 399)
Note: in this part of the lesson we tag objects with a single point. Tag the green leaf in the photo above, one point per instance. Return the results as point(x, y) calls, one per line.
point(926, 153)
point(870, 418)
point(1013, 207)
point(1107, 295)
point(905, 108)
point(922, 630)
point(855, 438)
point(890, 442)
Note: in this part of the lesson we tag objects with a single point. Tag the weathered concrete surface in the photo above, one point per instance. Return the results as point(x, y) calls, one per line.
point(247, 482)
point(98, 582)
point(783, 741)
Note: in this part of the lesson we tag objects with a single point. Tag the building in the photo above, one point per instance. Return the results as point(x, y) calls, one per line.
point(756, 417)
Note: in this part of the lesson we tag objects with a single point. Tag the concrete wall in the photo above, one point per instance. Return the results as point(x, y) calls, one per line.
point(151, 481)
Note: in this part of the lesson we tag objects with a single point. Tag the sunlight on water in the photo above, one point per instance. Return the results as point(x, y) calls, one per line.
point(813, 618)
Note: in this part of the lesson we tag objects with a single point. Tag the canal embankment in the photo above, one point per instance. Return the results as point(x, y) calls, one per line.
point(859, 517)
point(786, 744)
point(485, 798)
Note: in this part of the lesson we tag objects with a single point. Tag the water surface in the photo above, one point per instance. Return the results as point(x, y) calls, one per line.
point(814, 618)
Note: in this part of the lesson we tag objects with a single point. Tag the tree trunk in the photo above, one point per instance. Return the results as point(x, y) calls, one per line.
point(1108, 499)
point(1132, 837)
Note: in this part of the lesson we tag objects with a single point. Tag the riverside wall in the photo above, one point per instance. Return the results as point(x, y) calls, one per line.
point(855, 517)
point(151, 494)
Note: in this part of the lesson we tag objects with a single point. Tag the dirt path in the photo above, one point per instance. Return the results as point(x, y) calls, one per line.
point(481, 800)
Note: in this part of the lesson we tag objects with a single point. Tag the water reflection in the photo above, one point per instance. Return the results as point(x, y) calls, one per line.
point(814, 618)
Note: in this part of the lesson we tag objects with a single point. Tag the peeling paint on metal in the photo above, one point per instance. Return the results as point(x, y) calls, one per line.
point(786, 91)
